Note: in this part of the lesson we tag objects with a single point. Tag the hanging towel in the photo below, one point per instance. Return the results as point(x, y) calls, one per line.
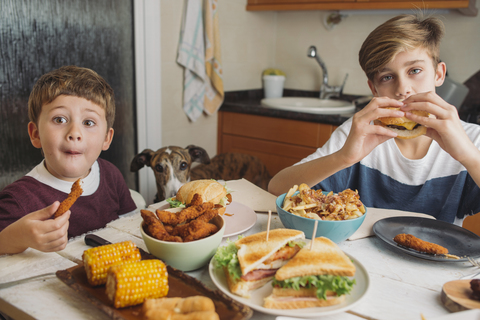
point(191, 55)
point(214, 93)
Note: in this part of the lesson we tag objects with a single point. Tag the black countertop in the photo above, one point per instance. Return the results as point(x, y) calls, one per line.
point(248, 101)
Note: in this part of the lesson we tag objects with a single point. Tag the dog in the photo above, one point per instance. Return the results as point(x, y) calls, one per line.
point(172, 166)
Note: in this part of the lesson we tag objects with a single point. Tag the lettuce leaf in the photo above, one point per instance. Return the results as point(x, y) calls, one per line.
point(323, 283)
point(226, 256)
point(174, 203)
point(294, 243)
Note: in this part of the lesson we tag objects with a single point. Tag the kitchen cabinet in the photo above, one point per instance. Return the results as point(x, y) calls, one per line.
point(467, 7)
point(278, 142)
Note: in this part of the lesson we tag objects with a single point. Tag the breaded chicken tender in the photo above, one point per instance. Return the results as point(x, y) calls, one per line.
point(66, 204)
point(410, 241)
point(155, 228)
point(199, 229)
point(187, 214)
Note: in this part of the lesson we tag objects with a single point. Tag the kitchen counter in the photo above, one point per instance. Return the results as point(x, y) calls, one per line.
point(248, 101)
point(279, 138)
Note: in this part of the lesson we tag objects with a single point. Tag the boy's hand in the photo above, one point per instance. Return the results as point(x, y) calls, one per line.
point(446, 129)
point(364, 136)
point(36, 230)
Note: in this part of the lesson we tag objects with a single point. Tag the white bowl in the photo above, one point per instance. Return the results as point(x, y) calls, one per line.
point(186, 256)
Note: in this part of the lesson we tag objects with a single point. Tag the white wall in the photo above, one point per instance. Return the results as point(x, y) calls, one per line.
point(254, 41)
point(339, 47)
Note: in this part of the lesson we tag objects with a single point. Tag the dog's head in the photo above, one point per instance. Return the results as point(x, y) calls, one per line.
point(171, 166)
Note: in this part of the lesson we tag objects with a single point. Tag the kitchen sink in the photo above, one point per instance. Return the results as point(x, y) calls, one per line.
point(309, 105)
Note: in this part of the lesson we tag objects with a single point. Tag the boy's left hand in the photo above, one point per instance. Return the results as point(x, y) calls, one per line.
point(446, 129)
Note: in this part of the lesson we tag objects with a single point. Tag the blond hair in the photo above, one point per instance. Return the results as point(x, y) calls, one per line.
point(402, 33)
point(72, 81)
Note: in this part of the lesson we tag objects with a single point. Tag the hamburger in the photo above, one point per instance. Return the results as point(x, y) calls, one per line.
point(250, 262)
point(320, 276)
point(403, 127)
point(210, 190)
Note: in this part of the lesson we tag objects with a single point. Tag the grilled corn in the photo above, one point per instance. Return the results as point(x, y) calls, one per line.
point(98, 260)
point(131, 283)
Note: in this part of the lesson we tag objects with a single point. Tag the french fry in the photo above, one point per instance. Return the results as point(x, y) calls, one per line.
point(305, 206)
point(291, 191)
point(303, 186)
point(287, 204)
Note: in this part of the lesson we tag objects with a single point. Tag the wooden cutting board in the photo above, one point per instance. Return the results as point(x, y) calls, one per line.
point(457, 296)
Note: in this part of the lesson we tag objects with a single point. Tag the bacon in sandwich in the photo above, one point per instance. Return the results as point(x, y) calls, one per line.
point(252, 261)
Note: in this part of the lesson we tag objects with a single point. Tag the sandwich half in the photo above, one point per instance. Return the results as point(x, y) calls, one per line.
point(318, 277)
point(250, 262)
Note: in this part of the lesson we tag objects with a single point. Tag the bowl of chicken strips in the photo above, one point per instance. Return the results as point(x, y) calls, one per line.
point(184, 238)
point(338, 215)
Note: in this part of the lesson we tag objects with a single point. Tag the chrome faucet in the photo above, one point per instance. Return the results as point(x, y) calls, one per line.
point(326, 91)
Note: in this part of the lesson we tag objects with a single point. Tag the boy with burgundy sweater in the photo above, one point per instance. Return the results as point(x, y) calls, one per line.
point(71, 113)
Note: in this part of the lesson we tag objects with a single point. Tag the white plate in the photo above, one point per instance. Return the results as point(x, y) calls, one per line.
point(256, 300)
point(238, 217)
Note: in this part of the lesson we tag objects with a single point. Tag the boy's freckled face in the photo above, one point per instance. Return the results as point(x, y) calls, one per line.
point(411, 72)
point(72, 133)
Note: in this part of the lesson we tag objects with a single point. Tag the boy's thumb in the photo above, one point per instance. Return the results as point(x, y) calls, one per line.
point(47, 212)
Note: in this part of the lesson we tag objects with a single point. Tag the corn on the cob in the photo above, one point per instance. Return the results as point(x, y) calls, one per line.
point(98, 260)
point(130, 284)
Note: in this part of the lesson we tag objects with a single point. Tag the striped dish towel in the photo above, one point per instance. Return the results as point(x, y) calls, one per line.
point(214, 93)
point(191, 55)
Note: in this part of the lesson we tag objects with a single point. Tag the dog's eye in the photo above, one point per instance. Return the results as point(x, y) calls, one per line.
point(158, 168)
point(183, 166)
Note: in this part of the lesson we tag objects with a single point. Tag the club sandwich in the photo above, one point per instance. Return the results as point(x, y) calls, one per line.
point(317, 276)
point(250, 262)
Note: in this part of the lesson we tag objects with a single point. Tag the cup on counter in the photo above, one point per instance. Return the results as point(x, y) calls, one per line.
point(273, 86)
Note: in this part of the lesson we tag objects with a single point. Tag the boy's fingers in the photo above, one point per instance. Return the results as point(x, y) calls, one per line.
point(64, 217)
point(45, 213)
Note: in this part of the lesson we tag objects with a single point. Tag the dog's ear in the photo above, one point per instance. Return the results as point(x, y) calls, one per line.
point(198, 154)
point(140, 160)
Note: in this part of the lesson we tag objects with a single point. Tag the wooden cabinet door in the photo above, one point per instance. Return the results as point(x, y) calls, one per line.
point(279, 143)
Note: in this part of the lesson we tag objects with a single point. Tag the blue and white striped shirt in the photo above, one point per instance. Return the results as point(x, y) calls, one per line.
point(437, 184)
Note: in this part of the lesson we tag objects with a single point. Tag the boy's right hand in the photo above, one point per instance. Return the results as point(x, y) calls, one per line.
point(364, 136)
point(36, 230)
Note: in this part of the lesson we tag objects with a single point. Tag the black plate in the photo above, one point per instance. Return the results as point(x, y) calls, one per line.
point(457, 240)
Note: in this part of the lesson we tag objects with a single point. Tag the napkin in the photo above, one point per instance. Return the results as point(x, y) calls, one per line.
point(191, 55)
point(251, 195)
point(375, 214)
point(213, 62)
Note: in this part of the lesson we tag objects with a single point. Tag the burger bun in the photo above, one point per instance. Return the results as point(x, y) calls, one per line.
point(397, 121)
point(210, 191)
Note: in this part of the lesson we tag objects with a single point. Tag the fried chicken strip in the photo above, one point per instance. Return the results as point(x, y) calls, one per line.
point(410, 241)
point(187, 214)
point(196, 200)
point(199, 229)
point(66, 204)
point(155, 228)
point(183, 230)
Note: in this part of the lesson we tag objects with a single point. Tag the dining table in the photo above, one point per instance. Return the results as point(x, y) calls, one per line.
point(398, 285)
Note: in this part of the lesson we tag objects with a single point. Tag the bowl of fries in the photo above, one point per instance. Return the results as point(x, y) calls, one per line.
point(338, 215)
point(186, 255)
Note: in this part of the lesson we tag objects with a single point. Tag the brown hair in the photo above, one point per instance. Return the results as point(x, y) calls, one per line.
point(72, 81)
point(399, 34)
